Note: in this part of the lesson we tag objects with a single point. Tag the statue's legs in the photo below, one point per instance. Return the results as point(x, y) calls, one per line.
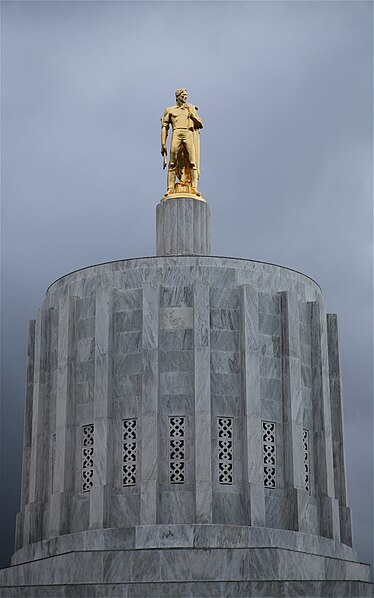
point(172, 168)
point(185, 137)
point(194, 178)
point(171, 180)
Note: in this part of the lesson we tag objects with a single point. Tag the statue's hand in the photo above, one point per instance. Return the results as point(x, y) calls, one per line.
point(164, 151)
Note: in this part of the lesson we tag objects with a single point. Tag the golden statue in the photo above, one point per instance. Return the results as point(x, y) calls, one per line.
point(184, 161)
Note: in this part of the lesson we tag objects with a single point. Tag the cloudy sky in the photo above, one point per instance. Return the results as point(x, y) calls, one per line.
point(285, 92)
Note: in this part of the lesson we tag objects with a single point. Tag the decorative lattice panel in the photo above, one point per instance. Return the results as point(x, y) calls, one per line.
point(177, 450)
point(87, 457)
point(269, 454)
point(306, 460)
point(225, 450)
point(129, 452)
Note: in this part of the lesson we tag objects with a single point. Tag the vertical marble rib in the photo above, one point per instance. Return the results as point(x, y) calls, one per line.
point(27, 435)
point(184, 226)
point(39, 443)
point(252, 434)
point(100, 494)
point(203, 444)
point(150, 399)
point(292, 412)
point(160, 221)
point(63, 482)
point(322, 437)
point(337, 429)
point(201, 210)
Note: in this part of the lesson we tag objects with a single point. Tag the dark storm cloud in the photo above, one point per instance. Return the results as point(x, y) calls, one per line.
point(285, 92)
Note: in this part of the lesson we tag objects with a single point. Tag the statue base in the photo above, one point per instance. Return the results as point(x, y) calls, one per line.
point(183, 225)
point(183, 196)
point(183, 189)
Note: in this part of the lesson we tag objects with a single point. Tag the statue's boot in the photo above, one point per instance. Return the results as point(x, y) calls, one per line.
point(194, 181)
point(171, 182)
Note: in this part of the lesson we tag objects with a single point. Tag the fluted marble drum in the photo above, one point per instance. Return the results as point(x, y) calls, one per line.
point(184, 426)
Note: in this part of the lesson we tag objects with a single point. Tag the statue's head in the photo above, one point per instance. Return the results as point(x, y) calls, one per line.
point(181, 95)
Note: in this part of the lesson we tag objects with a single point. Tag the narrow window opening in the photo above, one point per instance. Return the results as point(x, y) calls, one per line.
point(129, 452)
point(87, 457)
point(269, 454)
point(177, 450)
point(225, 450)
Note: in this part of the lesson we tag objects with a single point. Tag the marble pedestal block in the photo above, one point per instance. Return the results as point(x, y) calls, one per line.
point(183, 436)
point(189, 561)
point(183, 227)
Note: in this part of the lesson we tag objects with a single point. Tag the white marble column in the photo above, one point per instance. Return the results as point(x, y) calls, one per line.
point(337, 429)
point(27, 435)
point(293, 413)
point(63, 478)
point(253, 477)
point(183, 227)
point(322, 437)
point(150, 399)
point(203, 440)
point(101, 491)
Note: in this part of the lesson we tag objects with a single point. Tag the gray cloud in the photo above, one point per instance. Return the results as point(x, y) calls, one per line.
point(285, 91)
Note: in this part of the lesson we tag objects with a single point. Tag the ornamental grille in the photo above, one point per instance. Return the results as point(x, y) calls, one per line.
point(128, 452)
point(87, 457)
point(269, 454)
point(225, 450)
point(176, 450)
point(306, 460)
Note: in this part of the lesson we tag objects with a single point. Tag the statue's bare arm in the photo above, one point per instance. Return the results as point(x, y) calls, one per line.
point(164, 132)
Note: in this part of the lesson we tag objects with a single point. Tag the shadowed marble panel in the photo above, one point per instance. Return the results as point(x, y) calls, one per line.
point(228, 508)
point(176, 506)
point(125, 510)
point(176, 361)
point(227, 298)
point(86, 307)
point(225, 384)
point(174, 296)
point(127, 385)
point(79, 515)
point(174, 404)
point(127, 299)
point(270, 345)
point(127, 321)
point(127, 342)
point(269, 324)
point(176, 340)
point(277, 507)
point(226, 362)
point(175, 383)
point(271, 389)
point(127, 364)
point(224, 340)
point(269, 304)
point(224, 319)
point(270, 367)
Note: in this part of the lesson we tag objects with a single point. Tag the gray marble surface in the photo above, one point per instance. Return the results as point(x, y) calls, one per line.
point(183, 227)
point(202, 338)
